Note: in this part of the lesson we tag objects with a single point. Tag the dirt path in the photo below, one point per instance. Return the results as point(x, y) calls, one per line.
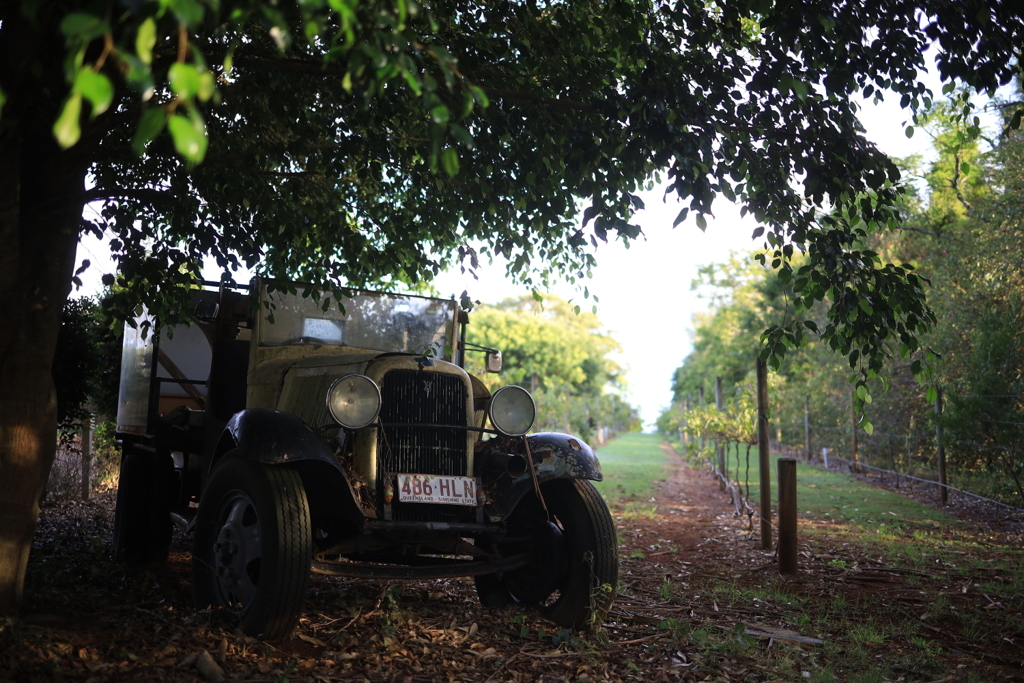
point(696, 517)
point(698, 600)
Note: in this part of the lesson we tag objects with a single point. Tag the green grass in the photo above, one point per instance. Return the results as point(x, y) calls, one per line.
point(841, 498)
point(954, 578)
point(836, 504)
point(631, 464)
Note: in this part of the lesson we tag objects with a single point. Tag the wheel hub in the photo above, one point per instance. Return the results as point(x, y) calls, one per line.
point(238, 551)
point(537, 580)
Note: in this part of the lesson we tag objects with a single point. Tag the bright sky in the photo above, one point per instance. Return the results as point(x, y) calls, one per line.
point(644, 291)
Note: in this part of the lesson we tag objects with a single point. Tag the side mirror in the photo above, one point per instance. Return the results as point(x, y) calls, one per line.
point(206, 310)
point(493, 361)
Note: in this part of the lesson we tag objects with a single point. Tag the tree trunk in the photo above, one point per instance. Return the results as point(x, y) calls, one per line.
point(41, 193)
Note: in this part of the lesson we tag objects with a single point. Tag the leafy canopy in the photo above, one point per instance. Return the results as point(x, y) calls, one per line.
point(374, 142)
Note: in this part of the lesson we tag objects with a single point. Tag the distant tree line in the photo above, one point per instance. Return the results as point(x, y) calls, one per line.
point(562, 355)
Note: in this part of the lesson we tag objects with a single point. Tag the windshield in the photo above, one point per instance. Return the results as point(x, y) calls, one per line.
point(371, 320)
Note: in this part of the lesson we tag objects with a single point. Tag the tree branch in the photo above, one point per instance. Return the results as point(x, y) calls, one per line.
point(318, 68)
point(543, 99)
point(288, 174)
point(955, 184)
point(909, 228)
point(99, 194)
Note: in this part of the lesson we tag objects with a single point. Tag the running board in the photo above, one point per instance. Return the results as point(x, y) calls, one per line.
point(439, 570)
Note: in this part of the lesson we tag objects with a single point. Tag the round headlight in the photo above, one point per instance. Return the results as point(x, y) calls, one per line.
point(354, 401)
point(512, 410)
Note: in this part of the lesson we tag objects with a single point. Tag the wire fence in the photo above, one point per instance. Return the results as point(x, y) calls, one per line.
point(65, 481)
point(856, 466)
point(76, 471)
point(905, 442)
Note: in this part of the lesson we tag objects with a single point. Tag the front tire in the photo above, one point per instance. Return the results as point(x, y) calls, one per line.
point(591, 576)
point(253, 546)
point(575, 568)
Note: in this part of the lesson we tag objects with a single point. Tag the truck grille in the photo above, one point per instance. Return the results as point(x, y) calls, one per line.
point(413, 397)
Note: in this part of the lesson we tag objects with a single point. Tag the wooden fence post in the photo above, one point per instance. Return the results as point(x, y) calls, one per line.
point(719, 448)
point(86, 458)
point(700, 400)
point(686, 422)
point(787, 516)
point(764, 452)
point(940, 448)
point(853, 434)
point(807, 427)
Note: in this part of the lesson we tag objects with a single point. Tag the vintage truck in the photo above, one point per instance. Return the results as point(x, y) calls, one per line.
point(288, 431)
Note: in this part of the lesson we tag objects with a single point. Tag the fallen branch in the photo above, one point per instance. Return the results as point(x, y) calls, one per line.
point(638, 640)
point(502, 667)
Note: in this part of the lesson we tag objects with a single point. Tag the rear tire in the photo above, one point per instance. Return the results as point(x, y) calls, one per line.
point(142, 515)
point(253, 546)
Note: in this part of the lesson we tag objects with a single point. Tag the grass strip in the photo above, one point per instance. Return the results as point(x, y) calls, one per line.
point(631, 463)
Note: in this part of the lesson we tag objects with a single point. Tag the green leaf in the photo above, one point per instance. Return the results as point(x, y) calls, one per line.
point(440, 114)
point(462, 135)
point(150, 125)
point(799, 89)
point(909, 131)
point(145, 40)
point(207, 86)
point(189, 133)
point(184, 80)
point(188, 12)
point(479, 96)
point(96, 88)
point(931, 394)
point(139, 75)
point(66, 128)
point(680, 217)
point(869, 428)
point(450, 161)
point(702, 222)
point(82, 26)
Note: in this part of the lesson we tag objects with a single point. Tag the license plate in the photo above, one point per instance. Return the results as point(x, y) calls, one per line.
point(436, 488)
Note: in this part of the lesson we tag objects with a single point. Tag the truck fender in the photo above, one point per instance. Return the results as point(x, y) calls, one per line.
point(506, 475)
point(272, 437)
point(277, 438)
point(563, 456)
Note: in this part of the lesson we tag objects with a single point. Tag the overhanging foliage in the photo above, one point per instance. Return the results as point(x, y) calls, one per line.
point(373, 142)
